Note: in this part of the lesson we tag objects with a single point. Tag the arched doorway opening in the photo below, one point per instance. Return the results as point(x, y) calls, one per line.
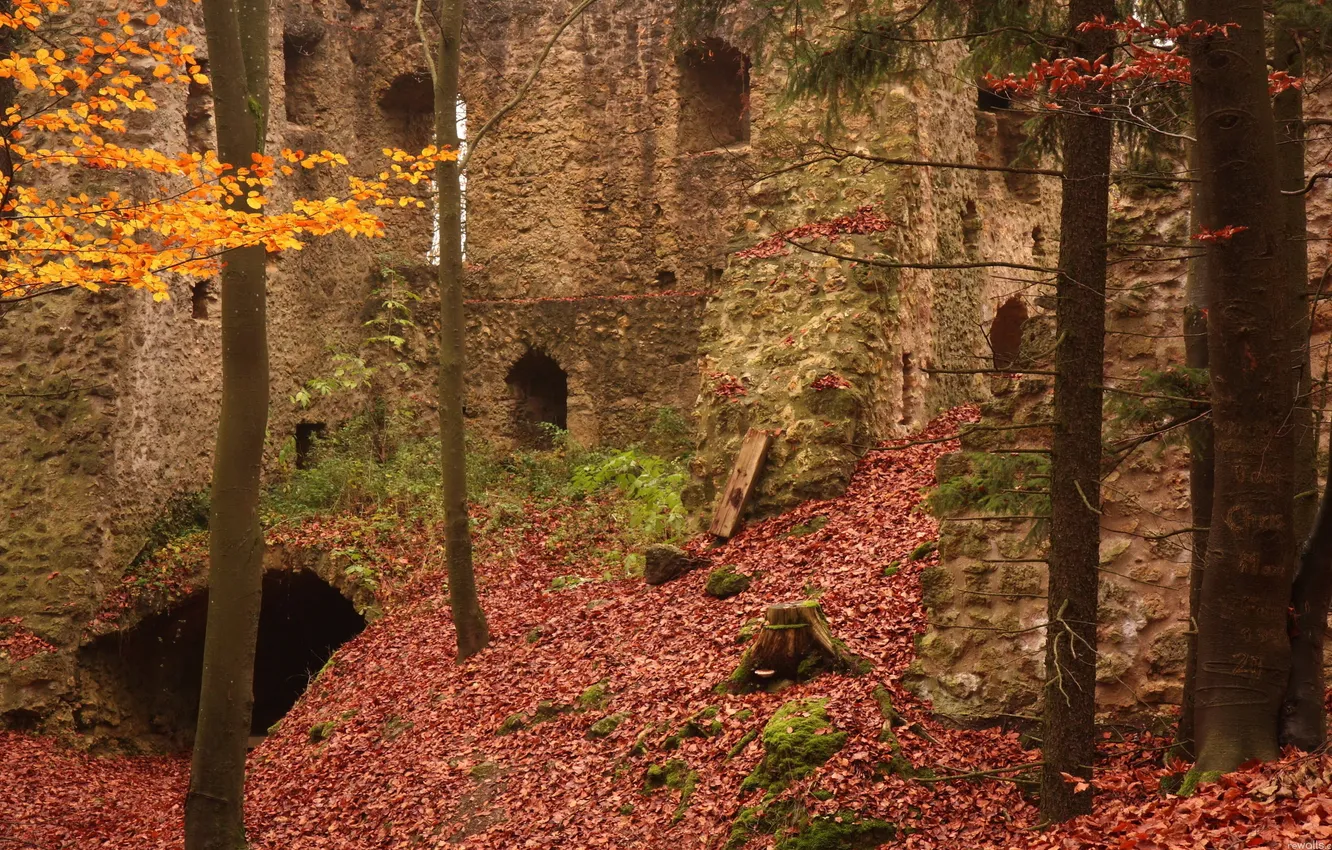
point(152, 672)
point(540, 392)
point(1006, 333)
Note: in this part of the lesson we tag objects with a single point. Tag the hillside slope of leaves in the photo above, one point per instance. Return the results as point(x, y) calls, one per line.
point(394, 745)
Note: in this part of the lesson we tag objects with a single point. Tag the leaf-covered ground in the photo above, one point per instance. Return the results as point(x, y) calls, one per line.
point(394, 745)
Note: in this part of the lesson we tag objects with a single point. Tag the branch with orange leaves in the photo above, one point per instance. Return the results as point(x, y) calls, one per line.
point(63, 126)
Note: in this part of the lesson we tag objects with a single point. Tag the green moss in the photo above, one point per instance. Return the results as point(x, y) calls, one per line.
point(566, 582)
point(892, 568)
point(673, 774)
point(548, 710)
point(594, 697)
point(724, 582)
point(810, 526)
point(512, 723)
point(704, 724)
point(740, 745)
point(749, 629)
point(843, 831)
point(627, 809)
point(321, 731)
point(1196, 777)
point(797, 739)
point(923, 550)
point(821, 794)
point(744, 714)
point(606, 725)
point(686, 791)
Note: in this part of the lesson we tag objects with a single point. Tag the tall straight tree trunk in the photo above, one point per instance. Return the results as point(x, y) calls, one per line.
point(1068, 742)
point(468, 618)
point(1243, 648)
point(237, 32)
point(1303, 717)
point(1201, 464)
point(1288, 110)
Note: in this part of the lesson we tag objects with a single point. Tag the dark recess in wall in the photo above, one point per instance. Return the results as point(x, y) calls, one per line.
point(714, 96)
point(540, 391)
point(153, 670)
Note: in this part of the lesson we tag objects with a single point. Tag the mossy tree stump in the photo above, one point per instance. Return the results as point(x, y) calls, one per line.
point(794, 643)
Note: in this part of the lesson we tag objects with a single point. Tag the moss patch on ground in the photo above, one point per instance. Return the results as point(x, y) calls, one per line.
point(796, 741)
point(724, 582)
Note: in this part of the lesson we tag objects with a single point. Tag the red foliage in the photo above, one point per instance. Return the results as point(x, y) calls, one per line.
point(864, 220)
point(830, 381)
point(19, 643)
point(411, 727)
point(1222, 234)
point(726, 386)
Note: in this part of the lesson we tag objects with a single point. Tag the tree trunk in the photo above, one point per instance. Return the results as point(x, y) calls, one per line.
point(1243, 648)
point(1303, 717)
point(1068, 744)
point(237, 32)
point(468, 618)
point(1201, 471)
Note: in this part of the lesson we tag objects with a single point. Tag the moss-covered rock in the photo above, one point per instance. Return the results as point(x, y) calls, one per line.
point(594, 697)
point(796, 741)
point(512, 723)
point(843, 831)
point(724, 582)
point(923, 550)
point(704, 724)
point(606, 725)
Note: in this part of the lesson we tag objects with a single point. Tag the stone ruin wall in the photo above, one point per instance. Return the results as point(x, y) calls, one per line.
point(982, 660)
point(121, 413)
point(781, 321)
point(598, 234)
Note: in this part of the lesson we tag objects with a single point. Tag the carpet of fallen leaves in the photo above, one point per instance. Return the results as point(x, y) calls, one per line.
point(412, 758)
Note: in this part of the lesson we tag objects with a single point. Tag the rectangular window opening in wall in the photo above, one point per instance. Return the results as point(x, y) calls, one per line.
point(300, 43)
point(308, 435)
point(714, 96)
point(199, 113)
point(200, 293)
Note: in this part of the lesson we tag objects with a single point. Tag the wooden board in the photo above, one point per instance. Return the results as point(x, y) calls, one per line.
point(748, 464)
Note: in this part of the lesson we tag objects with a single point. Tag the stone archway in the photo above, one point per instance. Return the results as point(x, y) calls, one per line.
point(539, 388)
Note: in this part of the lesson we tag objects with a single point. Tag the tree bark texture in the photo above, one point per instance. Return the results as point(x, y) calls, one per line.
point(1243, 647)
point(468, 618)
point(1288, 110)
point(1075, 494)
point(1303, 716)
point(1201, 464)
point(237, 34)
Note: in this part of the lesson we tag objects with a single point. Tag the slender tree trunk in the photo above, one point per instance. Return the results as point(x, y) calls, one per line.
point(1201, 467)
point(1303, 717)
point(237, 32)
point(1243, 648)
point(1068, 744)
point(468, 618)
point(1288, 110)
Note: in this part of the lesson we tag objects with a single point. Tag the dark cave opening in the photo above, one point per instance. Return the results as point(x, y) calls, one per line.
point(152, 672)
point(540, 390)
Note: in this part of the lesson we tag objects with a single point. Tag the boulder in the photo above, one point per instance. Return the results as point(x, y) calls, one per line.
point(666, 563)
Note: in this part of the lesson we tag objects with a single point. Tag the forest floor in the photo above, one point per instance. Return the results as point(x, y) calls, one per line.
point(395, 745)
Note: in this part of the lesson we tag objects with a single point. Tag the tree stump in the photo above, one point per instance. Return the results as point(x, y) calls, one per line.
point(794, 643)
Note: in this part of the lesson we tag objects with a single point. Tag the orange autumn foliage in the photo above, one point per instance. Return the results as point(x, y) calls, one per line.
point(175, 213)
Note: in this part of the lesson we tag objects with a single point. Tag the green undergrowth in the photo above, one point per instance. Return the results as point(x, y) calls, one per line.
point(383, 467)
